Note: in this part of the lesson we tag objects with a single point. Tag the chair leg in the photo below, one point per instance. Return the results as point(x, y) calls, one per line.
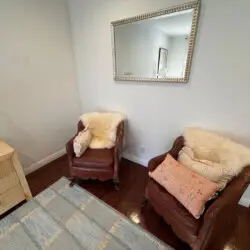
point(144, 202)
point(74, 181)
point(117, 184)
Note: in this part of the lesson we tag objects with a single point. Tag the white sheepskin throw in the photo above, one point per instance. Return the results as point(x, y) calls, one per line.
point(103, 128)
point(213, 156)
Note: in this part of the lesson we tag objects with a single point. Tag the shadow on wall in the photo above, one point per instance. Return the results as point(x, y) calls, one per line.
point(16, 137)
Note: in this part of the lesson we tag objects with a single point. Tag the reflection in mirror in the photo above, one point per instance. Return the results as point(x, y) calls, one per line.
point(162, 62)
point(155, 48)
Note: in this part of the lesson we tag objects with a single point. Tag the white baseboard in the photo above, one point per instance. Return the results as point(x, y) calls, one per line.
point(44, 161)
point(135, 159)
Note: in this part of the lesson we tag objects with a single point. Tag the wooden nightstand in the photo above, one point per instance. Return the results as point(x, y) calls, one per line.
point(13, 185)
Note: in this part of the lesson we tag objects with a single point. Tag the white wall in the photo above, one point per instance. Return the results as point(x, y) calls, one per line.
point(144, 41)
point(39, 99)
point(177, 56)
point(216, 97)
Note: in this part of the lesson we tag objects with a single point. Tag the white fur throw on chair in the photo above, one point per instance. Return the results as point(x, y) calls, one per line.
point(213, 156)
point(103, 128)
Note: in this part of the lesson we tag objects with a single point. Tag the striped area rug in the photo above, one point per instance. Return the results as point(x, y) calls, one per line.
point(63, 217)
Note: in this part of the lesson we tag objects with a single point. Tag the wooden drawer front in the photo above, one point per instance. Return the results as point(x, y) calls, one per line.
point(11, 198)
point(8, 182)
point(6, 167)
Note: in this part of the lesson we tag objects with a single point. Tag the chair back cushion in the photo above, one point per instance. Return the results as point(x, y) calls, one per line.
point(213, 171)
point(189, 188)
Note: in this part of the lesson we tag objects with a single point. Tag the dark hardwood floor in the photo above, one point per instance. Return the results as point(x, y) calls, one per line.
point(128, 201)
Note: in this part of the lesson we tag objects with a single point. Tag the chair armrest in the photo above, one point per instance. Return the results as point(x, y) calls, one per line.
point(156, 161)
point(80, 127)
point(223, 208)
point(117, 148)
point(174, 151)
point(231, 194)
point(119, 136)
point(69, 144)
point(70, 150)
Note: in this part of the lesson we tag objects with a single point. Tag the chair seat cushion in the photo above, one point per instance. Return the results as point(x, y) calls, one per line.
point(173, 212)
point(102, 159)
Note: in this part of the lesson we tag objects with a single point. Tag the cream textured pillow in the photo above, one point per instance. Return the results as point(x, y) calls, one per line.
point(81, 142)
point(211, 170)
point(189, 188)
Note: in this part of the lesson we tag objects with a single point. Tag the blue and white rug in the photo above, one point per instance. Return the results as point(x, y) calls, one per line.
point(70, 218)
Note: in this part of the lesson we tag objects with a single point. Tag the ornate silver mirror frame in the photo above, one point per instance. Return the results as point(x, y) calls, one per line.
point(195, 5)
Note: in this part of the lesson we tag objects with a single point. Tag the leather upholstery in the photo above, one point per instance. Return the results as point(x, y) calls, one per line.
point(176, 214)
point(102, 159)
point(197, 233)
point(102, 164)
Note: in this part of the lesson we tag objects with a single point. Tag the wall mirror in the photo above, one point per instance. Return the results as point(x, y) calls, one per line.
point(155, 47)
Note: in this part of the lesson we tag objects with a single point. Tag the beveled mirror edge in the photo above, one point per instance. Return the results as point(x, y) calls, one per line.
point(191, 5)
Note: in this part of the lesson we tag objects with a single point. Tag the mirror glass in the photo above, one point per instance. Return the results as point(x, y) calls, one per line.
point(154, 48)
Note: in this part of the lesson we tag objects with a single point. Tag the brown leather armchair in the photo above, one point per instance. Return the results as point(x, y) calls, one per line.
point(101, 164)
point(200, 234)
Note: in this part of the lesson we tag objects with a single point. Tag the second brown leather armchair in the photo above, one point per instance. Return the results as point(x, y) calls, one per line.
point(201, 233)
